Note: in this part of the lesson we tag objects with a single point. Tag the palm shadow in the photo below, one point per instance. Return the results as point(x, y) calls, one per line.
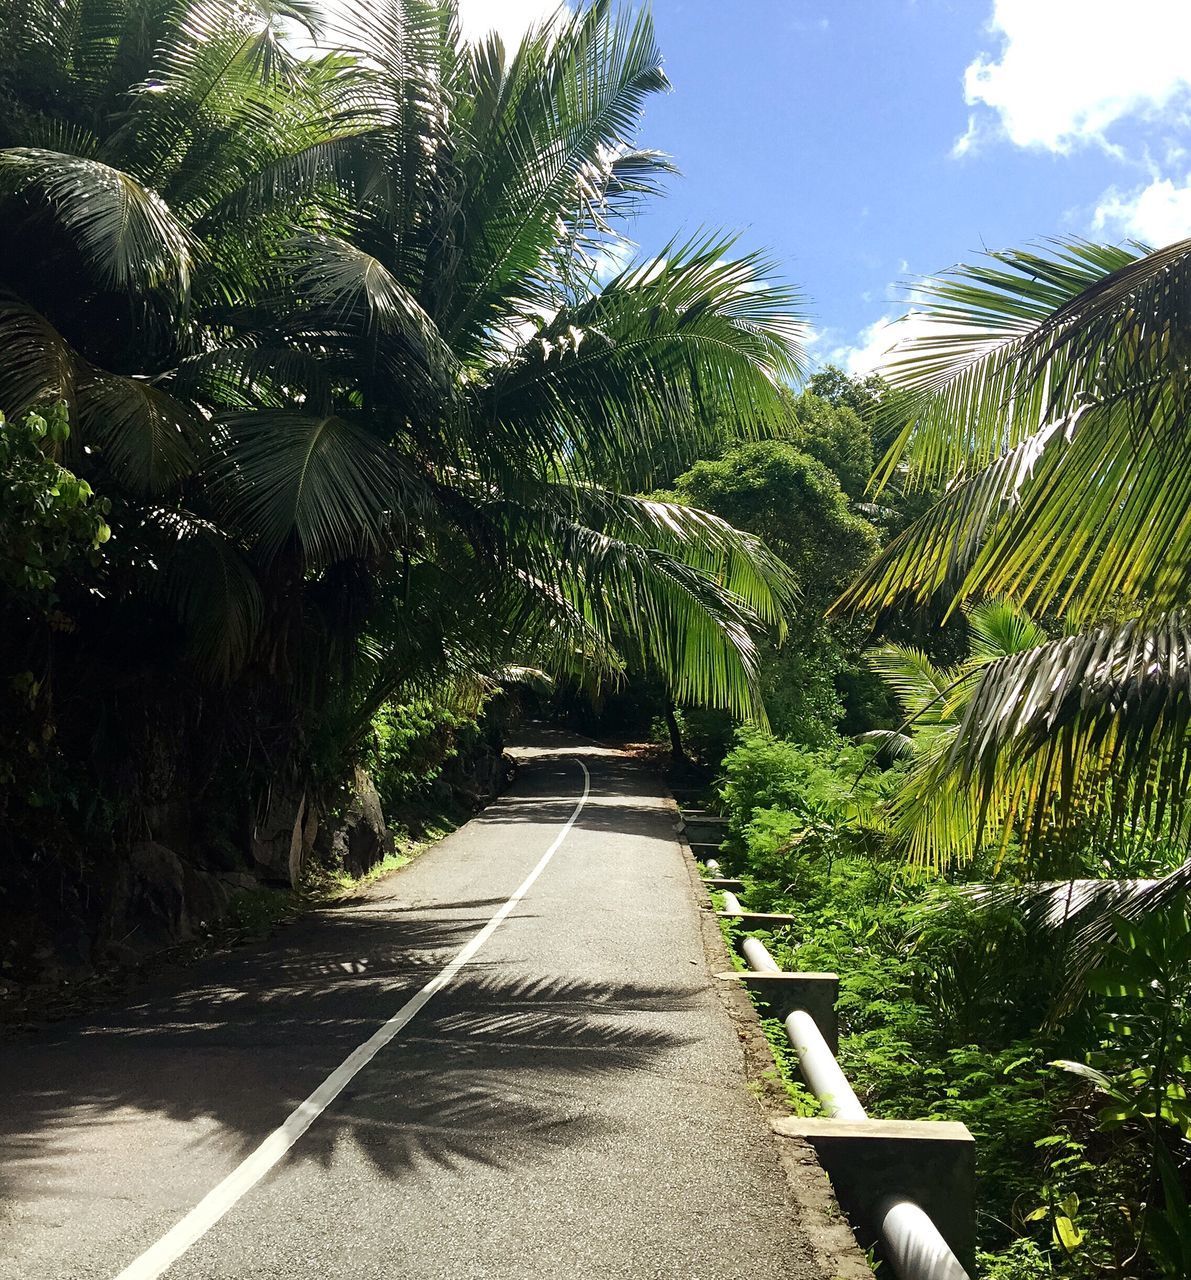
point(489, 1057)
point(487, 1073)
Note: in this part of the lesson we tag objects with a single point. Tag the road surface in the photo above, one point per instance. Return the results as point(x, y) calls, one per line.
point(570, 1102)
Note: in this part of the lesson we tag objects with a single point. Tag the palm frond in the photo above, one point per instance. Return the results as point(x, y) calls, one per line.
point(739, 561)
point(1114, 699)
point(38, 366)
point(663, 613)
point(145, 437)
point(1070, 477)
point(654, 357)
point(353, 288)
point(544, 125)
point(999, 627)
point(935, 553)
point(124, 230)
point(920, 686)
point(987, 367)
point(248, 375)
point(937, 816)
point(325, 482)
point(214, 592)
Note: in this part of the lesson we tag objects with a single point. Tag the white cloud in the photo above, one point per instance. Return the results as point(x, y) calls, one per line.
point(1067, 70)
point(969, 138)
point(876, 341)
point(510, 19)
point(867, 352)
point(613, 257)
point(1157, 214)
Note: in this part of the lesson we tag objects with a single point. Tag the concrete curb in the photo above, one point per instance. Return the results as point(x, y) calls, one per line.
point(836, 1254)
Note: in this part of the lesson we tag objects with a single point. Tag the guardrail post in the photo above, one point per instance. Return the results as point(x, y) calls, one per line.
point(753, 919)
point(907, 1186)
point(875, 1165)
point(704, 830)
point(781, 993)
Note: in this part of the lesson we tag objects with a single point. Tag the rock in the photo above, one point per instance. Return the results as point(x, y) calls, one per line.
point(310, 830)
point(363, 838)
point(161, 900)
point(277, 838)
point(152, 906)
point(206, 900)
point(240, 880)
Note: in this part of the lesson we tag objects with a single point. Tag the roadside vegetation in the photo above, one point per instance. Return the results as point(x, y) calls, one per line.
point(327, 421)
point(999, 875)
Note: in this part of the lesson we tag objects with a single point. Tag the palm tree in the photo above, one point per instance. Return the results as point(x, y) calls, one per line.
point(1050, 394)
point(932, 815)
point(337, 337)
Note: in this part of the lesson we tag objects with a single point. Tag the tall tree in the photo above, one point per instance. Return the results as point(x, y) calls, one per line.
point(795, 503)
point(334, 338)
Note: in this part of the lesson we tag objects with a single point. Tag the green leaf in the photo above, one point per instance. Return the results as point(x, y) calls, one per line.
point(124, 230)
point(1067, 1233)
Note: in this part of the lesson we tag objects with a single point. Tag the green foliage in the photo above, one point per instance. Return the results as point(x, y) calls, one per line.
point(835, 435)
point(949, 1010)
point(1024, 1259)
point(792, 501)
point(255, 913)
point(52, 534)
point(1142, 1068)
point(332, 340)
point(801, 682)
point(1046, 396)
point(48, 522)
point(862, 395)
point(831, 788)
point(410, 744)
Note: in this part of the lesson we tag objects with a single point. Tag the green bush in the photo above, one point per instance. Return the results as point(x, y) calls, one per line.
point(412, 742)
point(49, 524)
point(52, 531)
point(946, 1009)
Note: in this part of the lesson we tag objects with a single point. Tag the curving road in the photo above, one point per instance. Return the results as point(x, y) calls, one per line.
point(565, 1099)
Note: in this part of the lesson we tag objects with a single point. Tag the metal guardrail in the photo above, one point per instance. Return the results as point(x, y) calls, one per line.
point(910, 1240)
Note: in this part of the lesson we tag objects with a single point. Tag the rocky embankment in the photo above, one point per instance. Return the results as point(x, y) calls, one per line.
point(65, 915)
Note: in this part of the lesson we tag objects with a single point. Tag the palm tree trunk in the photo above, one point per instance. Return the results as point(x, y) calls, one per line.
point(677, 752)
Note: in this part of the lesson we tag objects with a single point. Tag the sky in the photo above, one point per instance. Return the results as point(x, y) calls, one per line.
point(867, 144)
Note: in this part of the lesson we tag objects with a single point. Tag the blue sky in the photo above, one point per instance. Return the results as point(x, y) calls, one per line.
point(868, 142)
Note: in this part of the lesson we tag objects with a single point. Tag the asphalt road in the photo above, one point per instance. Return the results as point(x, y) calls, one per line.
point(573, 1104)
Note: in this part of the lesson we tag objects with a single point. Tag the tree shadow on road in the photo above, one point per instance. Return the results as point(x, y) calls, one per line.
point(486, 1072)
point(495, 1070)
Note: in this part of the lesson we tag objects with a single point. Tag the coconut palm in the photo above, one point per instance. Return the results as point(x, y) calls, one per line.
point(334, 315)
point(1050, 393)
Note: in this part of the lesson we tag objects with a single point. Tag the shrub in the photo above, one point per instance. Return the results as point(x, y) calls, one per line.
point(945, 1010)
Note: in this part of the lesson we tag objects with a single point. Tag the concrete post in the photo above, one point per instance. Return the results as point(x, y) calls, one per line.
point(874, 1165)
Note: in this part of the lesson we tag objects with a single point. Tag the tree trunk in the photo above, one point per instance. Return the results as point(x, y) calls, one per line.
point(677, 753)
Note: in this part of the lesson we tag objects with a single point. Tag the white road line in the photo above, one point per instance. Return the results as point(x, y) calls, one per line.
point(157, 1259)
